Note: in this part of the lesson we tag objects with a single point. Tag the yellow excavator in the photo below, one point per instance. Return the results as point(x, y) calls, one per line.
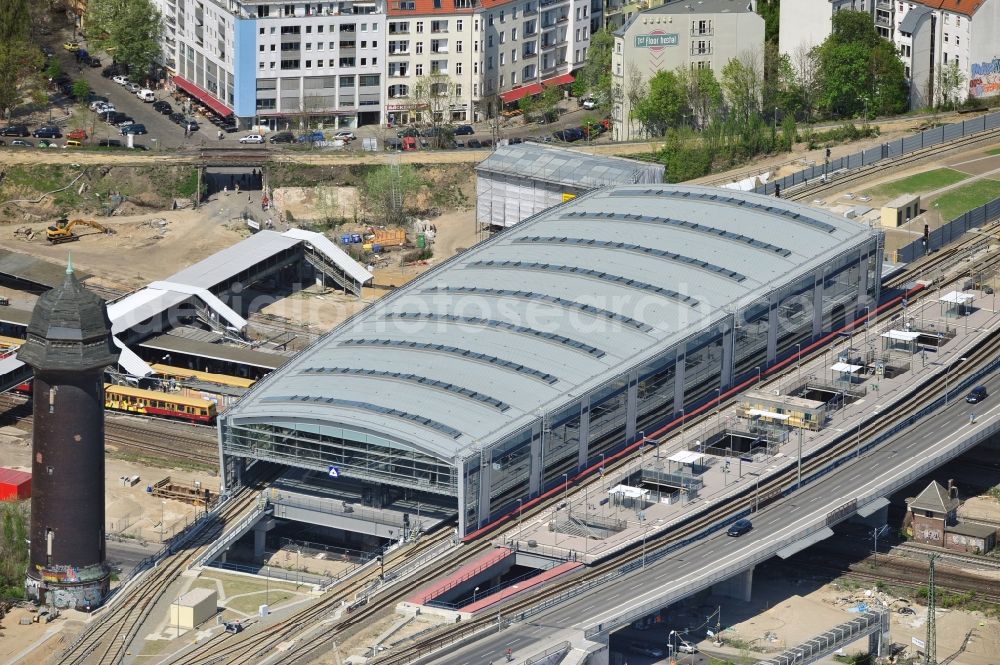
point(62, 230)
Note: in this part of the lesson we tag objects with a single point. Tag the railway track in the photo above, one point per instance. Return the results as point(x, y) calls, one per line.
point(106, 641)
point(817, 186)
point(769, 491)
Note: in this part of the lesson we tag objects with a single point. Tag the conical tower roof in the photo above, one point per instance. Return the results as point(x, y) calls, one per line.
point(69, 330)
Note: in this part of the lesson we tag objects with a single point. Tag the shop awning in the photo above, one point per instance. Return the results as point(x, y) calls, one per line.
point(517, 93)
point(534, 88)
point(202, 96)
point(562, 79)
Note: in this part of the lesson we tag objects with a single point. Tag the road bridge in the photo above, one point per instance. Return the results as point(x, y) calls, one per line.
point(585, 619)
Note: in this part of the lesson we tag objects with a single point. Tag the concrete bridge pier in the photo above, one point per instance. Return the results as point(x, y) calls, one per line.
point(259, 536)
point(739, 586)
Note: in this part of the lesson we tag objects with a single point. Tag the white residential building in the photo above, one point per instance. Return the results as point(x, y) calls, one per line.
point(276, 64)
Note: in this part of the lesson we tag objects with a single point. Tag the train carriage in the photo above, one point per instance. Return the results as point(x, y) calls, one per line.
point(156, 403)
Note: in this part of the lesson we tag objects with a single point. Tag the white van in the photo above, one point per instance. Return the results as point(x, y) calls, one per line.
point(146, 95)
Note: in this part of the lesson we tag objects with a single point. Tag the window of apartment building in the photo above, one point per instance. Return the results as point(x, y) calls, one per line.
point(475, 25)
point(309, 46)
point(513, 12)
point(290, 46)
point(267, 104)
point(490, 19)
point(439, 26)
point(502, 17)
point(271, 65)
point(294, 64)
point(364, 27)
point(458, 25)
point(958, 21)
point(578, 39)
point(475, 89)
point(489, 63)
point(262, 64)
point(348, 27)
point(420, 48)
point(319, 63)
point(364, 44)
point(957, 63)
point(489, 41)
point(458, 46)
point(319, 29)
point(331, 45)
point(577, 59)
point(347, 81)
point(263, 11)
point(398, 68)
point(347, 62)
point(368, 80)
point(458, 89)
point(439, 46)
point(513, 34)
point(946, 38)
point(437, 4)
point(906, 71)
point(288, 10)
point(272, 30)
point(309, 63)
point(419, 69)
point(420, 26)
point(946, 58)
point(374, 27)
point(290, 30)
point(958, 40)
point(503, 36)
point(947, 18)
point(458, 67)
point(475, 46)
point(618, 69)
point(586, 33)
point(399, 27)
point(261, 31)
point(502, 59)
point(579, 13)
point(399, 90)
point(401, 46)
point(309, 29)
point(364, 62)
point(513, 55)
point(502, 80)
point(261, 48)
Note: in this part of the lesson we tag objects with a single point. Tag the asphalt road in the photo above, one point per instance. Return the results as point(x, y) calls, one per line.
point(125, 555)
point(776, 522)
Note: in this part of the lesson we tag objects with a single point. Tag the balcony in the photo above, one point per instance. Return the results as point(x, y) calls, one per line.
point(884, 5)
point(883, 21)
point(701, 50)
point(440, 49)
point(400, 52)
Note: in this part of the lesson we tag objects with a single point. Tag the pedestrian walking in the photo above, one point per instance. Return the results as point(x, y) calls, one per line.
point(225, 190)
point(237, 188)
point(249, 198)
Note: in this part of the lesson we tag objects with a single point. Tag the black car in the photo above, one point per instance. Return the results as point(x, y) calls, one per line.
point(407, 131)
point(190, 125)
point(47, 133)
point(177, 118)
point(15, 130)
point(282, 137)
point(977, 395)
point(137, 128)
point(164, 107)
point(109, 143)
point(739, 527)
point(464, 130)
point(94, 61)
point(115, 117)
point(230, 128)
point(473, 143)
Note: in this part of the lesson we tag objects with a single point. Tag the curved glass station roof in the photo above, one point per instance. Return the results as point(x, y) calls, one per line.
point(545, 311)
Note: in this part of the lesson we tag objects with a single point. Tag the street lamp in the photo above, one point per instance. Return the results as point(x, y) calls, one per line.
point(520, 514)
point(474, 592)
point(756, 501)
point(876, 532)
point(566, 492)
point(756, 385)
point(163, 505)
point(798, 362)
point(947, 373)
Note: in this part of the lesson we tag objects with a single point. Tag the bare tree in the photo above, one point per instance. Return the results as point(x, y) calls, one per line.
point(804, 65)
point(949, 81)
point(635, 92)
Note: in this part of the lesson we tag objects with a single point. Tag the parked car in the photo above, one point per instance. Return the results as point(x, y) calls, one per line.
point(252, 138)
point(739, 527)
point(96, 104)
point(135, 128)
point(47, 132)
point(22, 143)
point(72, 144)
point(434, 131)
point(230, 128)
point(190, 125)
point(977, 395)
point(282, 137)
point(46, 143)
point(177, 118)
point(409, 143)
point(589, 104)
point(464, 130)
point(343, 135)
point(163, 107)
point(120, 79)
point(109, 143)
point(407, 131)
point(311, 137)
point(77, 135)
point(94, 61)
point(473, 143)
point(15, 130)
point(72, 47)
point(146, 95)
point(393, 144)
point(133, 87)
point(687, 647)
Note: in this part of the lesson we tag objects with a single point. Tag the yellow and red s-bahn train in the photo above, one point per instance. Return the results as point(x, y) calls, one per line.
point(152, 403)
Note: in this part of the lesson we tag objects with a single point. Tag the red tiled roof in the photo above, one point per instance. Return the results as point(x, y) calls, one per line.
point(966, 7)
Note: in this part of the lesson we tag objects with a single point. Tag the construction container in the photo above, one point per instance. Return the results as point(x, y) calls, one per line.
point(14, 485)
point(193, 608)
point(421, 241)
point(389, 237)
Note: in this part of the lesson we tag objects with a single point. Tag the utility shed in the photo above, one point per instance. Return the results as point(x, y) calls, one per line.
point(193, 608)
point(14, 485)
point(518, 181)
point(900, 210)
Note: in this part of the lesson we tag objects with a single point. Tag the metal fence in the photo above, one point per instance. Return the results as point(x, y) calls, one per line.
point(949, 232)
point(887, 150)
point(833, 639)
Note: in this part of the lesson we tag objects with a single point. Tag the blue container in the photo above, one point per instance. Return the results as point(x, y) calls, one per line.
point(345, 239)
point(356, 238)
point(376, 249)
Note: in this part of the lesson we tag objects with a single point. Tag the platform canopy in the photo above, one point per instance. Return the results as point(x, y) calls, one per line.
point(761, 413)
point(901, 335)
point(685, 457)
point(957, 298)
point(629, 492)
point(845, 367)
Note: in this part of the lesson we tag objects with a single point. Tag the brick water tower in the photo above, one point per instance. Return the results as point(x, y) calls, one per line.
point(68, 346)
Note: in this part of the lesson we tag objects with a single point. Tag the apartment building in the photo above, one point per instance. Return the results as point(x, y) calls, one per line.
point(279, 65)
point(804, 24)
point(705, 35)
point(481, 52)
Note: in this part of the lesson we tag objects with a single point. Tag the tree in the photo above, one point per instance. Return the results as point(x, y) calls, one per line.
point(664, 105)
point(20, 60)
point(433, 96)
point(13, 548)
point(14, 20)
point(127, 29)
point(770, 11)
point(683, 157)
point(855, 65)
point(704, 94)
point(595, 76)
point(742, 83)
point(803, 65)
point(80, 90)
point(385, 190)
point(949, 81)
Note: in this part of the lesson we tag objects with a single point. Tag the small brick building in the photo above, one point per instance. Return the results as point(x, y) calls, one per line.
point(933, 520)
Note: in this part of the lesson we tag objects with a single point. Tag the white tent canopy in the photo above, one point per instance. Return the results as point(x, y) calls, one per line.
point(901, 335)
point(845, 367)
point(685, 457)
point(761, 413)
point(629, 492)
point(957, 298)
